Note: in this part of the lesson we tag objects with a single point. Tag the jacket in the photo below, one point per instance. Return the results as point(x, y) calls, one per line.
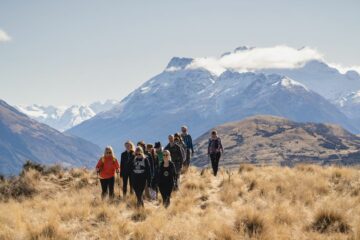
point(177, 154)
point(126, 159)
point(166, 174)
point(188, 141)
point(214, 146)
point(107, 167)
point(140, 167)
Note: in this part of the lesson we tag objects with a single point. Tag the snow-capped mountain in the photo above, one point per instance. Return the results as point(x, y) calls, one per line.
point(350, 106)
point(200, 99)
point(322, 78)
point(63, 118)
point(305, 65)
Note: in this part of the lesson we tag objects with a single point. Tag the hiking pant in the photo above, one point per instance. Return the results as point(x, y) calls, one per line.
point(178, 167)
point(147, 192)
point(188, 156)
point(215, 157)
point(107, 185)
point(126, 178)
point(138, 184)
point(165, 190)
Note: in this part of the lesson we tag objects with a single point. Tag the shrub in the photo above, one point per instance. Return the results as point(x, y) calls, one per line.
point(83, 182)
point(245, 168)
point(102, 216)
point(32, 165)
point(327, 221)
point(55, 169)
point(17, 188)
point(138, 216)
point(251, 224)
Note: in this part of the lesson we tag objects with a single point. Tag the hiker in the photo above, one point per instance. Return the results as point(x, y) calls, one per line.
point(159, 152)
point(141, 144)
point(150, 154)
point(140, 174)
point(178, 139)
point(150, 192)
point(189, 145)
point(215, 149)
point(157, 156)
point(126, 158)
point(166, 178)
point(145, 150)
point(106, 168)
point(177, 157)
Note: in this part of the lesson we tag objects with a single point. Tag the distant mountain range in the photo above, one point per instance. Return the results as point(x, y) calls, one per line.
point(22, 138)
point(62, 117)
point(269, 140)
point(206, 92)
point(195, 96)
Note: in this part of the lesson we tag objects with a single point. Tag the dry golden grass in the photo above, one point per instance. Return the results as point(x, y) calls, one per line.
point(304, 202)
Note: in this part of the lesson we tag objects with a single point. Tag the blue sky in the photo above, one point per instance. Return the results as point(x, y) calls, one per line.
point(66, 52)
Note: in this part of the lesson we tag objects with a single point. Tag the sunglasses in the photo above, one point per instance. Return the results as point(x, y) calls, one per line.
point(166, 155)
point(138, 154)
point(108, 152)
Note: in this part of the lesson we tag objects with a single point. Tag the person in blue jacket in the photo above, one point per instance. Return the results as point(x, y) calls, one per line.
point(189, 145)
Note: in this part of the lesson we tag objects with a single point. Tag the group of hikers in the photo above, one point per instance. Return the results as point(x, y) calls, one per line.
point(151, 168)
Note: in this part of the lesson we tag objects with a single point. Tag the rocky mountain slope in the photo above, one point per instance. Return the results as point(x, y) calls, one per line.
point(22, 138)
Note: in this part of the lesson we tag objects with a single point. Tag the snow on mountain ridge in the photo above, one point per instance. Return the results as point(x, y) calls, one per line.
point(63, 117)
point(201, 100)
point(289, 83)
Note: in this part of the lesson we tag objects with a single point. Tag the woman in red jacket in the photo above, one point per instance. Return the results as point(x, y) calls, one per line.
point(106, 168)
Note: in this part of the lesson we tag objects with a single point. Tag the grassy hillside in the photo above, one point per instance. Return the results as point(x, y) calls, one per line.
point(270, 140)
point(304, 202)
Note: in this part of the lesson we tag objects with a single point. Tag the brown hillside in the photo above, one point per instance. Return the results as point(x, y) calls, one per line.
point(273, 140)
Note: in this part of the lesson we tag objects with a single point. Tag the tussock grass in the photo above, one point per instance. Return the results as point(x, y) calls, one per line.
point(328, 221)
point(251, 202)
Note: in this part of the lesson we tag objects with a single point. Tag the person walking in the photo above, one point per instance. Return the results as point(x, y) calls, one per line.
point(215, 149)
point(189, 145)
point(140, 174)
point(106, 168)
point(126, 159)
point(177, 157)
point(159, 152)
point(179, 141)
point(166, 178)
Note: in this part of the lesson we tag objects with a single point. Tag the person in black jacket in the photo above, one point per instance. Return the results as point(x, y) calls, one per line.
point(140, 174)
point(126, 158)
point(215, 149)
point(166, 178)
point(177, 157)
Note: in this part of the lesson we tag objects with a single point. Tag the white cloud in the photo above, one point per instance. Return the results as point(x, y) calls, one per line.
point(258, 58)
point(4, 37)
point(343, 69)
